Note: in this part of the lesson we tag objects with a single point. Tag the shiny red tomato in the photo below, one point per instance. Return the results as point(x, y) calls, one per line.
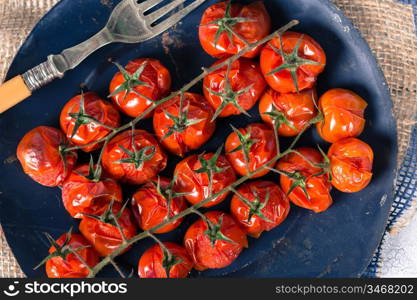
point(216, 251)
point(343, 113)
point(150, 205)
point(42, 156)
point(82, 191)
point(270, 207)
point(295, 69)
point(134, 157)
point(258, 140)
point(184, 124)
point(251, 22)
point(83, 117)
point(143, 82)
point(291, 112)
point(316, 193)
point(351, 165)
point(151, 263)
point(67, 264)
point(101, 231)
point(236, 90)
point(191, 179)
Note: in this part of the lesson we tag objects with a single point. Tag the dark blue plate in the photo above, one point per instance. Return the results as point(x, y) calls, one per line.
point(336, 243)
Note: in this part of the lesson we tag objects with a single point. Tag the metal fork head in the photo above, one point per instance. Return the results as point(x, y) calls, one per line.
point(130, 22)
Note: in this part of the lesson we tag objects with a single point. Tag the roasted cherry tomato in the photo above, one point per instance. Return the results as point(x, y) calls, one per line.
point(83, 190)
point(143, 82)
point(81, 118)
point(270, 207)
point(66, 264)
point(192, 177)
point(134, 157)
point(212, 247)
point(289, 112)
point(351, 165)
point(100, 228)
point(42, 156)
point(310, 185)
point(234, 90)
point(151, 263)
point(150, 205)
point(343, 113)
point(258, 141)
point(184, 123)
point(250, 22)
point(297, 67)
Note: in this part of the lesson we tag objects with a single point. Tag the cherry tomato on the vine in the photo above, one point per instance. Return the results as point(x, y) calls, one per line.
point(234, 90)
point(143, 82)
point(290, 112)
point(224, 25)
point(184, 123)
point(307, 185)
point(134, 157)
point(87, 118)
point(270, 206)
point(150, 205)
point(251, 148)
point(343, 113)
point(151, 263)
point(83, 190)
point(100, 227)
point(66, 264)
point(293, 62)
point(351, 165)
point(193, 177)
point(216, 246)
point(42, 154)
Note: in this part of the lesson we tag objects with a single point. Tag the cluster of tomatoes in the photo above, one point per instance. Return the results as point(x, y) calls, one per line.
point(284, 82)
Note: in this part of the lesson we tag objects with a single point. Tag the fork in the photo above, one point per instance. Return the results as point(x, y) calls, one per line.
point(128, 23)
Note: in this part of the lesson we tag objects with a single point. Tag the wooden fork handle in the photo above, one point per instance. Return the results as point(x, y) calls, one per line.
point(13, 92)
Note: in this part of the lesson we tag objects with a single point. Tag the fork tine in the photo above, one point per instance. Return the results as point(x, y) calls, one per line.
point(175, 18)
point(152, 17)
point(148, 4)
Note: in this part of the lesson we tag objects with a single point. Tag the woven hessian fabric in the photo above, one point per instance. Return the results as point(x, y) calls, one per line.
point(387, 25)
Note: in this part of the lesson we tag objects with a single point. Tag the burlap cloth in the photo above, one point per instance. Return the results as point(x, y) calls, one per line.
point(387, 25)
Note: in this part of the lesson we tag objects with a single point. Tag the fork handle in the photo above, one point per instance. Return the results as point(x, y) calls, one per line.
point(21, 87)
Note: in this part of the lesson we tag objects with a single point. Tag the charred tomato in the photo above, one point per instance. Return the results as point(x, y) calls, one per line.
point(184, 123)
point(42, 154)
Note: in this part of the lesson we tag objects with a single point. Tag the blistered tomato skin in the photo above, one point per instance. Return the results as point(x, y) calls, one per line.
point(150, 207)
point(81, 195)
point(103, 111)
point(343, 113)
point(351, 165)
point(261, 152)
point(297, 109)
point(157, 83)
point(318, 187)
point(245, 77)
point(39, 154)
point(257, 26)
point(106, 237)
point(282, 81)
point(72, 267)
point(273, 213)
point(193, 136)
point(196, 185)
point(223, 253)
point(150, 263)
point(153, 161)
